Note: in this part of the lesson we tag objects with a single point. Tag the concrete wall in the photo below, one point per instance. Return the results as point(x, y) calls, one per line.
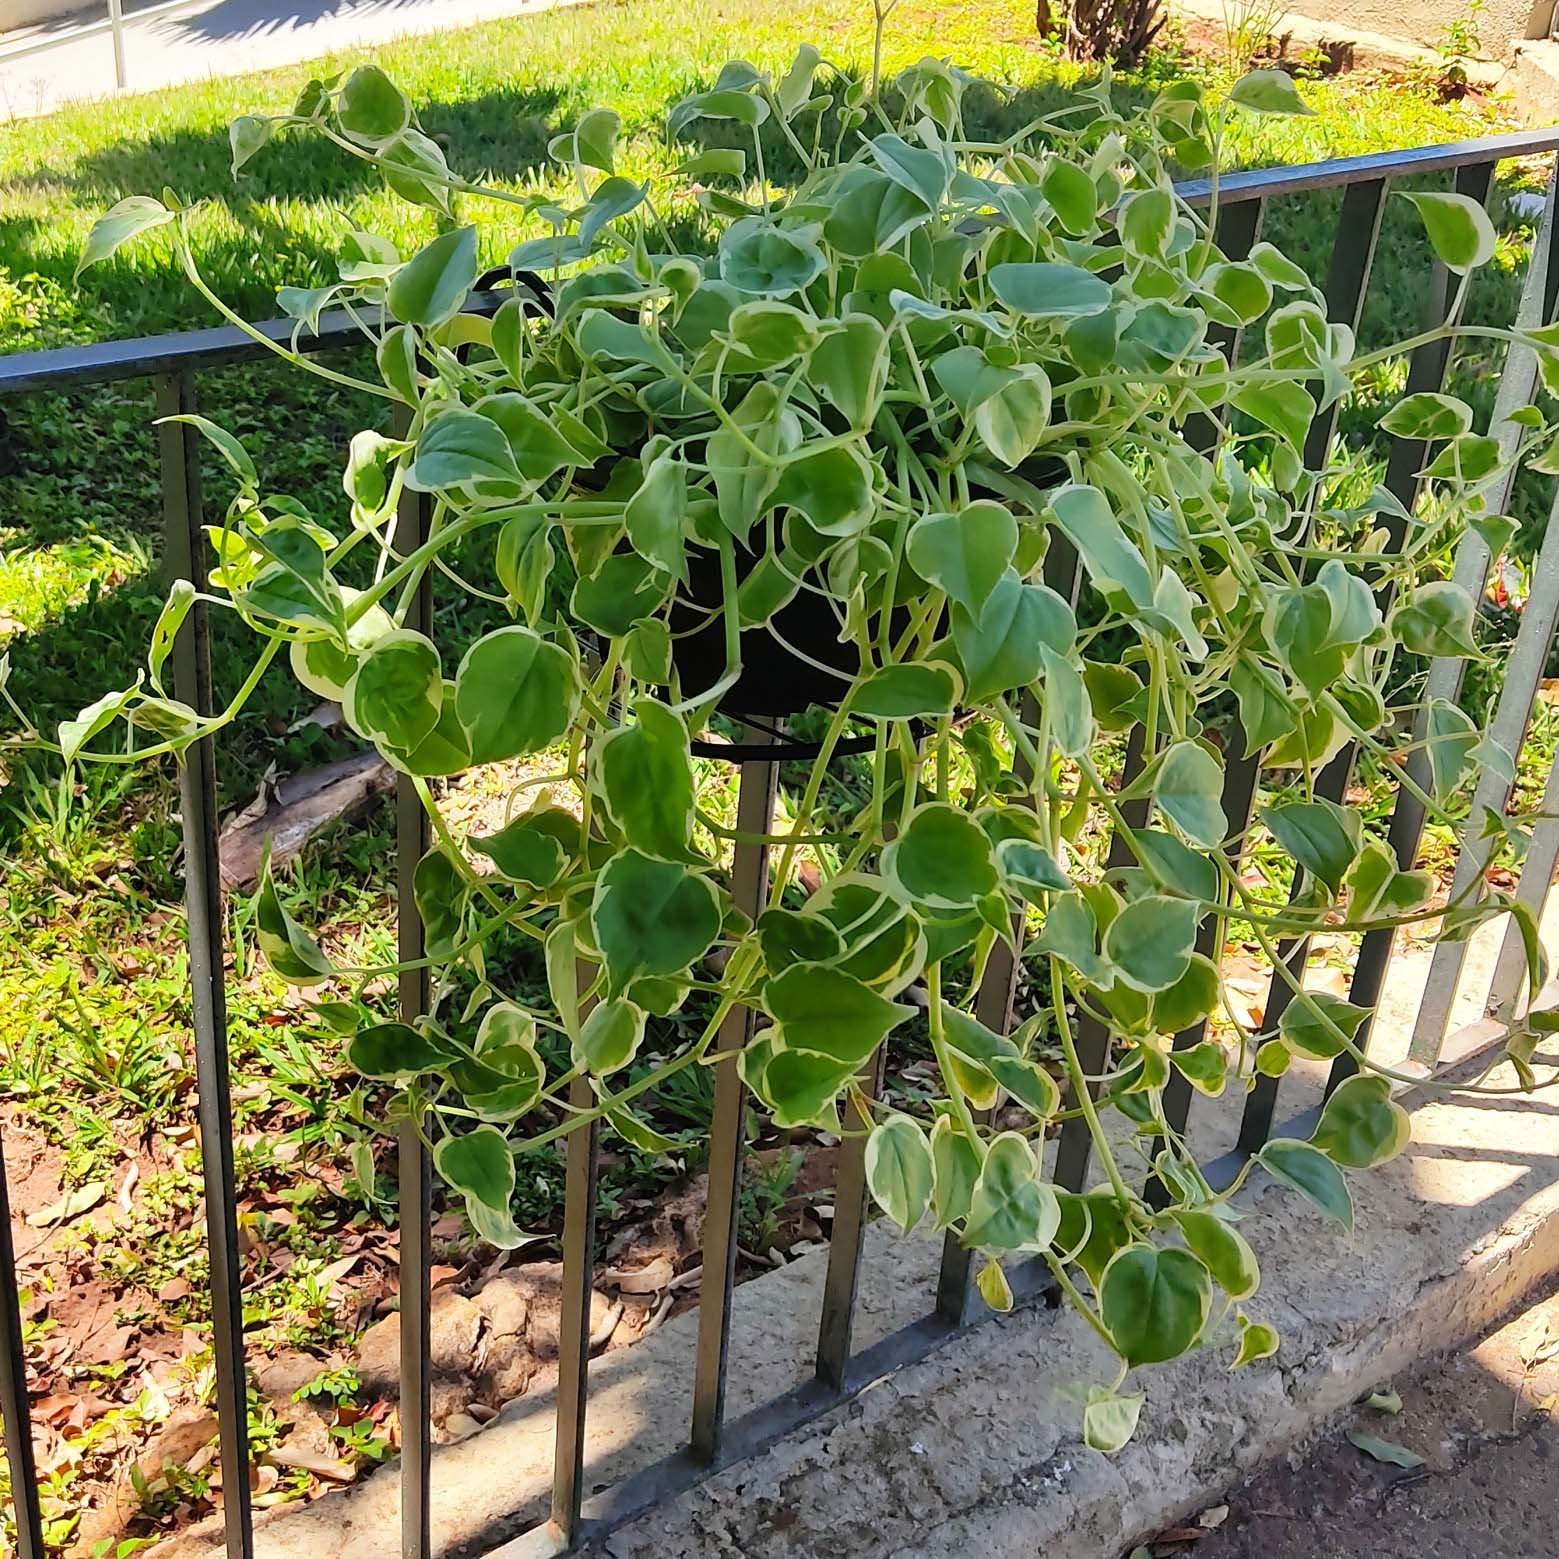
point(1501, 23)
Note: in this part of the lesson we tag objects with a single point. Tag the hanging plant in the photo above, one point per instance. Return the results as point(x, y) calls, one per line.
point(946, 440)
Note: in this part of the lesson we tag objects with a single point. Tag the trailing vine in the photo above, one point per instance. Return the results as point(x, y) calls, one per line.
point(951, 435)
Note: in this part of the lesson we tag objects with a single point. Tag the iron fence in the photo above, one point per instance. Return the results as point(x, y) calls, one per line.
point(175, 363)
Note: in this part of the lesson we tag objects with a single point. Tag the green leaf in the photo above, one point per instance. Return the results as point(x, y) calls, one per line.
point(1110, 1420)
point(181, 597)
point(1266, 710)
point(998, 649)
point(1112, 559)
point(1041, 290)
point(1459, 228)
point(1186, 1003)
point(1378, 890)
point(433, 285)
point(414, 167)
point(595, 138)
point(1223, 1251)
point(1066, 704)
point(955, 1162)
point(134, 215)
point(1154, 1303)
point(1150, 942)
point(766, 335)
point(656, 516)
point(623, 589)
point(610, 1037)
point(1257, 1341)
point(829, 1013)
point(1072, 194)
point(833, 488)
point(1030, 868)
point(225, 445)
point(395, 1050)
point(942, 858)
point(1268, 92)
point(287, 947)
point(91, 721)
point(458, 448)
point(764, 260)
point(1174, 866)
point(1308, 1022)
point(1145, 222)
point(1187, 789)
point(1282, 406)
point(439, 892)
point(1321, 836)
point(1437, 619)
point(1204, 1066)
point(478, 1164)
point(515, 693)
point(1361, 1125)
point(992, 1285)
point(396, 693)
point(1428, 416)
point(1310, 1172)
point(246, 135)
point(645, 778)
point(371, 108)
point(1013, 419)
point(849, 365)
point(964, 554)
point(899, 1169)
point(651, 917)
point(908, 692)
point(530, 849)
point(1012, 1208)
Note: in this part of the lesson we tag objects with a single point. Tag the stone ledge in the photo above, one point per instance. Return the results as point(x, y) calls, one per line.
point(976, 1448)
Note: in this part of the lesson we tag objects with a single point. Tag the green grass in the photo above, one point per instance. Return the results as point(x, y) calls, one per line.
point(93, 984)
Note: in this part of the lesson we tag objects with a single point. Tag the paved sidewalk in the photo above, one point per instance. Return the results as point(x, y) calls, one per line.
point(225, 38)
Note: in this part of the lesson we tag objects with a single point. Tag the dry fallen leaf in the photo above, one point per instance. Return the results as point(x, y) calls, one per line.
point(83, 1199)
point(1385, 1450)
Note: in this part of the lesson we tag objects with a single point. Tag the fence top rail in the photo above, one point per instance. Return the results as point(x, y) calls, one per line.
point(194, 350)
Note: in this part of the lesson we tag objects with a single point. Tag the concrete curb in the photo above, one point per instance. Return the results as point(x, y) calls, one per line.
point(976, 1449)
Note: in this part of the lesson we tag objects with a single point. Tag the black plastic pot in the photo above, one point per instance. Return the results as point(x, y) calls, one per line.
point(774, 681)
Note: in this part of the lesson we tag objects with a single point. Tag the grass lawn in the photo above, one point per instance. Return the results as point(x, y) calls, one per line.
point(93, 1007)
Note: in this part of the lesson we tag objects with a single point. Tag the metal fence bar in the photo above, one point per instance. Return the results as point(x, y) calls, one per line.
point(1427, 368)
point(414, 1171)
point(1492, 794)
point(758, 787)
point(849, 1227)
point(957, 1299)
point(15, 1412)
point(1239, 226)
point(1347, 281)
point(568, 1468)
point(1517, 386)
point(116, 26)
point(1506, 984)
point(179, 459)
point(1238, 800)
point(1074, 1146)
